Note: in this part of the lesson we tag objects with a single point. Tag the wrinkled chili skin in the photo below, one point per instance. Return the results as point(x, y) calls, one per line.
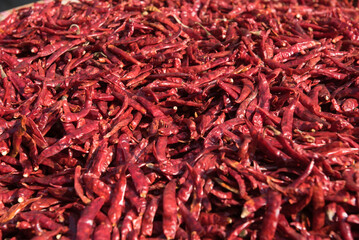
point(149, 215)
point(318, 206)
point(117, 198)
point(170, 210)
point(179, 119)
point(270, 219)
point(85, 225)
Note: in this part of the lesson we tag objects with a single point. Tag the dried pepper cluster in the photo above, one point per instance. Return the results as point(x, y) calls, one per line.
point(180, 119)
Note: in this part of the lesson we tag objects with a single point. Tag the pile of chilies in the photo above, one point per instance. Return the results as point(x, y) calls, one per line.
point(180, 119)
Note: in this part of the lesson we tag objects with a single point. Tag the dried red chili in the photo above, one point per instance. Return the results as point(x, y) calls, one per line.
point(170, 210)
point(85, 224)
point(243, 110)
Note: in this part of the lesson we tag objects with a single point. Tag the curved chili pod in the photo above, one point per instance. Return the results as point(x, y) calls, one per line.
point(85, 224)
point(271, 217)
point(72, 117)
point(191, 222)
point(78, 187)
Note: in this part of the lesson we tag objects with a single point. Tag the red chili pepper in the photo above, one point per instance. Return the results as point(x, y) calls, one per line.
point(269, 149)
point(170, 210)
point(127, 227)
point(299, 205)
point(10, 160)
point(117, 199)
point(284, 55)
point(222, 195)
point(115, 233)
point(185, 192)
point(344, 227)
point(42, 219)
point(253, 98)
point(102, 159)
point(136, 120)
point(271, 217)
point(61, 51)
point(78, 188)
point(303, 177)
point(138, 151)
point(304, 114)
point(48, 234)
point(196, 206)
point(287, 119)
point(349, 176)
point(140, 181)
point(149, 215)
point(85, 224)
point(67, 140)
point(75, 63)
point(341, 197)
point(15, 209)
point(353, 219)
point(71, 117)
point(252, 205)
point(289, 232)
point(17, 137)
point(238, 229)
point(103, 228)
point(214, 218)
point(241, 184)
point(137, 202)
point(241, 111)
point(97, 186)
point(124, 55)
point(160, 149)
point(153, 109)
point(318, 205)
point(217, 132)
point(191, 222)
point(324, 72)
point(43, 203)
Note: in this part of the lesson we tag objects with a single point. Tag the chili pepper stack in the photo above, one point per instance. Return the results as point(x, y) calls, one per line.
point(180, 119)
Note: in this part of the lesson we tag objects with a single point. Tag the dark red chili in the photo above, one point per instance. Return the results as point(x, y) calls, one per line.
point(118, 198)
point(271, 217)
point(179, 119)
point(86, 221)
point(170, 210)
